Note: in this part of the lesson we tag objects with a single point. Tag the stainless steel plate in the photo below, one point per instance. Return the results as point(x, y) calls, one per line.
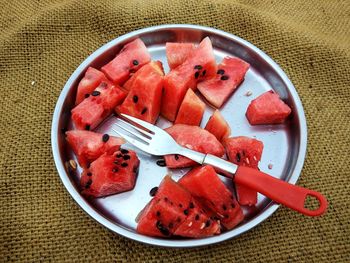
point(284, 145)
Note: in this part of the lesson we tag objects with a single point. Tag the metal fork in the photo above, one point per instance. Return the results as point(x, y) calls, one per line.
point(153, 140)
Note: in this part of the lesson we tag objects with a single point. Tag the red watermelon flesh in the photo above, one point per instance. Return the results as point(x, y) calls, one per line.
point(197, 224)
point(191, 110)
point(200, 64)
point(177, 53)
point(132, 57)
point(203, 183)
point(94, 109)
point(153, 66)
point(88, 146)
point(244, 151)
point(268, 108)
point(218, 126)
point(195, 138)
point(111, 173)
point(88, 83)
point(230, 74)
point(144, 98)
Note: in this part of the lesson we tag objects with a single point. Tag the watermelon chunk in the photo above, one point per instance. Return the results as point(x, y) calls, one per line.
point(191, 110)
point(88, 146)
point(268, 108)
point(171, 211)
point(132, 57)
point(218, 126)
point(200, 64)
point(111, 173)
point(244, 151)
point(94, 109)
point(150, 68)
point(143, 100)
point(195, 138)
point(205, 185)
point(176, 53)
point(88, 83)
point(230, 74)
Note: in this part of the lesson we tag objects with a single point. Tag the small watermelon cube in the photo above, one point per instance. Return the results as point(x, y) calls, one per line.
point(205, 185)
point(131, 58)
point(244, 151)
point(191, 110)
point(144, 98)
point(110, 174)
point(229, 75)
point(268, 108)
point(177, 53)
point(88, 145)
point(218, 126)
point(195, 138)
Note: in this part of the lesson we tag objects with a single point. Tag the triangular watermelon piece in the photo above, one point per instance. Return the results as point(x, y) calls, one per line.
point(230, 74)
point(218, 126)
point(177, 53)
point(130, 59)
point(191, 110)
point(268, 108)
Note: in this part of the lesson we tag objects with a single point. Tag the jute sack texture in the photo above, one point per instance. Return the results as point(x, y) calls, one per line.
point(42, 43)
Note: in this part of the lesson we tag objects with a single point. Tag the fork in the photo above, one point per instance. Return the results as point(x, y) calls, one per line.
point(154, 140)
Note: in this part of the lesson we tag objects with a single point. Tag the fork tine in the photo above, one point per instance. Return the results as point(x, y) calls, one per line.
point(141, 137)
point(142, 123)
point(141, 145)
point(142, 131)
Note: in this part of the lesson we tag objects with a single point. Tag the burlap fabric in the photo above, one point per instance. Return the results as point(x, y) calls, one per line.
point(41, 44)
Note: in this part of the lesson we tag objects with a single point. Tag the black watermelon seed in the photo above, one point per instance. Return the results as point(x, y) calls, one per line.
point(116, 162)
point(126, 157)
point(207, 224)
point(204, 72)
point(197, 217)
point(224, 207)
point(105, 137)
point(199, 67)
point(233, 205)
point(224, 77)
point(143, 111)
point(135, 99)
point(180, 205)
point(115, 170)
point(186, 212)
point(135, 169)
point(238, 157)
point(123, 151)
point(135, 62)
point(119, 155)
point(166, 199)
point(124, 164)
point(89, 174)
point(220, 72)
point(95, 93)
point(161, 163)
point(196, 75)
point(171, 225)
point(191, 205)
point(158, 213)
point(87, 127)
point(162, 229)
point(87, 95)
point(176, 157)
point(88, 184)
point(153, 191)
point(226, 216)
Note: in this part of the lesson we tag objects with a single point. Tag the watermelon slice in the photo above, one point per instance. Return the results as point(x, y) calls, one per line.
point(268, 108)
point(150, 68)
point(218, 126)
point(200, 64)
point(88, 83)
point(111, 173)
point(170, 213)
point(191, 110)
point(176, 53)
point(132, 57)
point(94, 109)
point(244, 151)
point(204, 184)
point(230, 74)
point(88, 146)
point(195, 138)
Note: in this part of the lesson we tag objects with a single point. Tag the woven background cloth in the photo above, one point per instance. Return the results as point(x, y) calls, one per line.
point(41, 44)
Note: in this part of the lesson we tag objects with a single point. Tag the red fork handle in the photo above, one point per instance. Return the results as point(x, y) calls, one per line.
point(280, 191)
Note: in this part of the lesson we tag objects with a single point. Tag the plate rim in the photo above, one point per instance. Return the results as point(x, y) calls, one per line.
point(109, 224)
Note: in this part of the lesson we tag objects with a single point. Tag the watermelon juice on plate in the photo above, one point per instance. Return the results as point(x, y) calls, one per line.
point(284, 144)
